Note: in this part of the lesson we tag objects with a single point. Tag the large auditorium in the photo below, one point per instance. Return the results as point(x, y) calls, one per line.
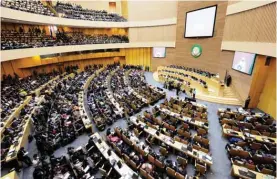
point(138, 89)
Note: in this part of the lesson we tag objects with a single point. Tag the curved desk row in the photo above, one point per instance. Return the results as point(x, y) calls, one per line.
point(127, 83)
point(213, 81)
point(125, 171)
point(183, 118)
point(81, 103)
point(120, 110)
point(168, 76)
point(204, 157)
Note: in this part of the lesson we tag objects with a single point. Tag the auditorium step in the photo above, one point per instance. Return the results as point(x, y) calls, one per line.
point(229, 93)
point(221, 100)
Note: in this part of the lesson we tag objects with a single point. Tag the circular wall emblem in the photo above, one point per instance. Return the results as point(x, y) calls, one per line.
point(196, 50)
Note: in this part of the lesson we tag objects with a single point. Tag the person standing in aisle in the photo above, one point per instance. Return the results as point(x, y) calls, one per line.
point(194, 93)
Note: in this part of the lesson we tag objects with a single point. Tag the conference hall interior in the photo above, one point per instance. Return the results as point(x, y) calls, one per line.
point(132, 89)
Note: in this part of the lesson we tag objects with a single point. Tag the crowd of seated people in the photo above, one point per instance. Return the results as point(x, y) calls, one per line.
point(31, 6)
point(249, 122)
point(121, 93)
point(36, 37)
point(252, 140)
point(73, 11)
point(14, 90)
point(175, 132)
point(60, 122)
point(254, 156)
point(198, 71)
point(142, 157)
point(13, 132)
point(137, 81)
point(55, 167)
point(102, 109)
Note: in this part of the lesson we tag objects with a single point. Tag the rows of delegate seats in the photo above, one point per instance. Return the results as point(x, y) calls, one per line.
point(14, 91)
point(194, 147)
point(172, 135)
point(102, 110)
point(66, 9)
point(37, 111)
point(70, 122)
point(137, 81)
point(252, 142)
point(61, 123)
point(128, 101)
point(15, 133)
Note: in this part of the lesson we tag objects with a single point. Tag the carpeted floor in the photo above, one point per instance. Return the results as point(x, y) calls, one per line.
point(221, 167)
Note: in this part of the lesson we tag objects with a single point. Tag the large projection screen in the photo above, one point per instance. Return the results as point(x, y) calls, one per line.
point(244, 62)
point(200, 22)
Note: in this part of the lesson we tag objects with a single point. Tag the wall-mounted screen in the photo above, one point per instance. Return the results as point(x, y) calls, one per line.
point(200, 22)
point(244, 62)
point(159, 52)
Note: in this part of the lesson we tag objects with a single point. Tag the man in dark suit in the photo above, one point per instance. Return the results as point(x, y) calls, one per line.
point(22, 156)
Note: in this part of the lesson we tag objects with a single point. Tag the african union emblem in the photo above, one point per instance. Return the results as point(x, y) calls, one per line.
point(196, 50)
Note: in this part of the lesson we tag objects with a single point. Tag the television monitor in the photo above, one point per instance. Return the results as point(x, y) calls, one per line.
point(200, 22)
point(244, 62)
point(159, 52)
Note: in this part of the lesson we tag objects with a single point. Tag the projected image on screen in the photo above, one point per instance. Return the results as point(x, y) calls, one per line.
point(158, 52)
point(244, 62)
point(200, 23)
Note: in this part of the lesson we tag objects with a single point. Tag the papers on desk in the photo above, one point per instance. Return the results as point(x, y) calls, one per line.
point(207, 157)
point(86, 169)
point(66, 175)
point(11, 151)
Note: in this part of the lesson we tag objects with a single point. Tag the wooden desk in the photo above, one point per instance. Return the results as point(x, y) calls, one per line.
point(183, 118)
point(206, 158)
point(260, 138)
point(125, 171)
point(11, 175)
point(236, 168)
point(193, 103)
point(229, 133)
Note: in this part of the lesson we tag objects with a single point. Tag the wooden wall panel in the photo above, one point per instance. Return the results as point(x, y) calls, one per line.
point(151, 10)
point(158, 33)
point(210, 58)
point(267, 101)
point(232, 2)
point(255, 25)
point(259, 77)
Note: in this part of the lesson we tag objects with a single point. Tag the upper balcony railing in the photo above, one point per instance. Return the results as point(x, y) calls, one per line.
point(16, 16)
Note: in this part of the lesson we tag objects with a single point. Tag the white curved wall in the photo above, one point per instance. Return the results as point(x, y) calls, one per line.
point(16, 16)
point(29, 52)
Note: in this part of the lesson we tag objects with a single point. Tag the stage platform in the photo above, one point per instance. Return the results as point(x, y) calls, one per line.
point(215, 92)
